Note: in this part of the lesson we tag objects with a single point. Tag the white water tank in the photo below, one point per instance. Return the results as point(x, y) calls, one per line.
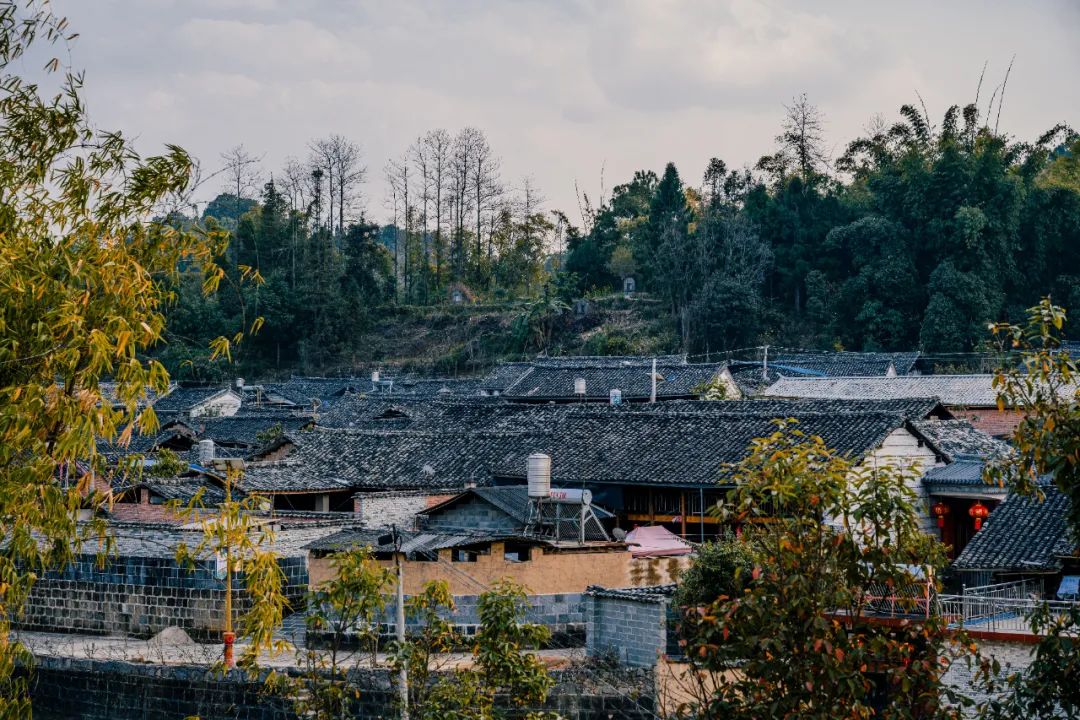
point(579, 386)
point(374, 376)
point(571, 496)
point(615, 396)
point(539, 474)
point(206, 452)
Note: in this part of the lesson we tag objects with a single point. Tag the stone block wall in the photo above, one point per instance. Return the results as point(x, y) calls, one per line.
point(471, 514)
point(1013, 657)
point(632, 628)
point(82, 689)
point(141, 596)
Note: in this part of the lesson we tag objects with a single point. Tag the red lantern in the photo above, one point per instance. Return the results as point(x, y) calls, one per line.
point(940, 510)
point(980, 512)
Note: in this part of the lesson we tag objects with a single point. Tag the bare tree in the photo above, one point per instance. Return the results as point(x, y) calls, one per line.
point(461, 162)
point(241, 172)
point(803, 137)
point(485, 187)
point(437, 148)
point(349, 175)
point(401, 195)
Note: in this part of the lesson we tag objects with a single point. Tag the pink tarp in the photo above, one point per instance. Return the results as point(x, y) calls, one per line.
point(656, 541)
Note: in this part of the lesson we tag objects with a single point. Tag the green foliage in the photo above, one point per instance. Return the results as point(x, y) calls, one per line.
point(235, 534)
point(721, 567)
point(1038, 378)
point(502, 665)
point(166, 464)
point(341, 614)
point(84, 277)
point(824, 531)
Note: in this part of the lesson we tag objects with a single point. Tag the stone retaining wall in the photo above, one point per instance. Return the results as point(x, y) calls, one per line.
point(141, 596)
point(70, 689)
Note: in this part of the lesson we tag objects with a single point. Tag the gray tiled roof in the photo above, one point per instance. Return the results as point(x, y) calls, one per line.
point(963, 472)
point(183, 399)
point(956, 438)
point(503, 376)
point(161, 540)
point(184, 489)
point(843, 364)
point(513, 500)
point(411, 540)
point(649, 593)
point(691, 449)
point(954, 390)
point(244, 428)
point(1021, 535)
point(598, 444)
point(910, 408)
point(556, 382)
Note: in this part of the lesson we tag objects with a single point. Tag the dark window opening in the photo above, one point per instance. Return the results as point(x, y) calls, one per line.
point(516, 552)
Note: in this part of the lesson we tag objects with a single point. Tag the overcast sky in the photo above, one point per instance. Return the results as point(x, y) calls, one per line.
point(563, 88)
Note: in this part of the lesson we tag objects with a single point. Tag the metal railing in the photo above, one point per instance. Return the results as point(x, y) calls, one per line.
point(996, 614)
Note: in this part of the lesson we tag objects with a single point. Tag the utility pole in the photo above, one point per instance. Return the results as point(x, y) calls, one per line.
point(403, 673)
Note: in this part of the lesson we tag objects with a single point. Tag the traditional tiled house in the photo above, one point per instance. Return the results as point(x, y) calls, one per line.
point(1026, 537)
point(199, 401)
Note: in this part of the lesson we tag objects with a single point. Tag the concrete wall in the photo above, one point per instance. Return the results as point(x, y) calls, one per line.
point(67, 689)
point(548, 570)
point(141, 596)
point(634, 630)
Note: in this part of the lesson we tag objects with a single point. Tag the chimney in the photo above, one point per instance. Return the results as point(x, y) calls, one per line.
point(652, 382)
point(615, 396)
point(579, 387)
point(238, 383)
point(206, 452)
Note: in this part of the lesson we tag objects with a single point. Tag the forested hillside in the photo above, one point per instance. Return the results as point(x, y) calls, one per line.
point(918, 235)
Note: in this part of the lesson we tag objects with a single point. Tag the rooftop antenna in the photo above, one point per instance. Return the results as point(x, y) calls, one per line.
point(765, 365)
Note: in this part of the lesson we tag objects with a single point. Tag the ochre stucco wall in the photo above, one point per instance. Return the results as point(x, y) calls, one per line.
point(546, 572)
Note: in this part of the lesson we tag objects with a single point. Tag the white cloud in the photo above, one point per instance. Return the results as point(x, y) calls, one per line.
point(562, 87)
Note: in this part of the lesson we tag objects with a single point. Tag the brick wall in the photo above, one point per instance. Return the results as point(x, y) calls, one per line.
point(382, 509)
point(142, 596)
point(634, 629)
point(990, 420)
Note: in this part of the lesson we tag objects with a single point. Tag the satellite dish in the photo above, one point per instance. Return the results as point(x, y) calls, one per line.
point(619, 534)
